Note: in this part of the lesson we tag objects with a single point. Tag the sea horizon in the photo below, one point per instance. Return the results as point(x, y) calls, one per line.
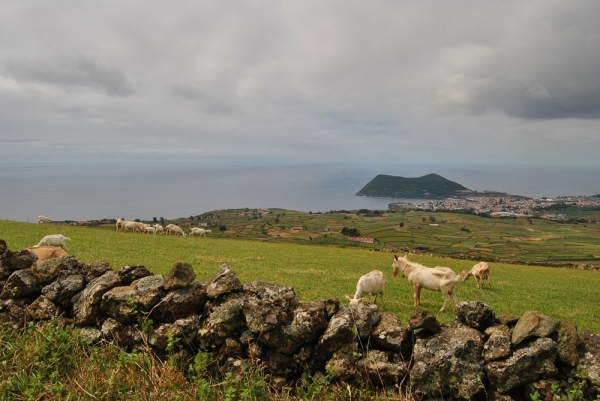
point(171, 190)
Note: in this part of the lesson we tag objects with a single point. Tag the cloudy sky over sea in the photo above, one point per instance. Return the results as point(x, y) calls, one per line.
point(300, 81)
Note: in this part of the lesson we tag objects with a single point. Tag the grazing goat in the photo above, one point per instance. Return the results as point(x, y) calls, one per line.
point(47, 252)
point(370, 284)
point(201, 232)
point(436, 279)
point(120, 224)
point(172, 228)
point(133, 225)
point(44, 219)
point(158, 229)
point(55, 240)
point(150, 230)
point(481, 272)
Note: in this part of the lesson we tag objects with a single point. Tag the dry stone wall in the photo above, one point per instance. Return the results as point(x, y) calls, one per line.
point(478, 356)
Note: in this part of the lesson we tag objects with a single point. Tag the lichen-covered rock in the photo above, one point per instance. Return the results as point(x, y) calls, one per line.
point(477, 315)
point(90, 335)
point(342, 366)
point(449, 363)
point(127, 303)
point(391, 335)
point(110, 329)
point(17, 260)
point(180, 275)
point(19, 284)
point(339, 332)
point(498, 344)
point(567, 340)
point(425, 320)
point(532, 324)
point(223, 282)
point(129, 274)
point(365, 317)
point(96, 269)
point(42, 308)
point(86, 304)
point(382, 368)
point(267, 305)
point(46, 270)
point(62, 290)
point(222, 320)
point(527, 364)
point(308, 320)
point(589, 357)
point(280, 364)
point(181, 302)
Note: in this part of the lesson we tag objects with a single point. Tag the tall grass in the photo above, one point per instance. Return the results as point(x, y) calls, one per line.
point(319, 273)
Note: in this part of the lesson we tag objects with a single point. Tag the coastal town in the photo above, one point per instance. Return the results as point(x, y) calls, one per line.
point(503, 206)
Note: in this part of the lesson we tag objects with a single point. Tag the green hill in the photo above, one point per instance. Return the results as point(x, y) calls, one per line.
point(431, 186)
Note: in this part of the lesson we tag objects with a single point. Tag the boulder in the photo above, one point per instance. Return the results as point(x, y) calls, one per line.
point(46, 270)
point(382, 368)
point(126, 304)
point(532, 324)
point(21, 283)
point(424, 320)
point(96, 269)
point(449, 363)
point(182, 332)
point(477, 315)
point(567, 340)
point(90, 335)
point(498, 343)
point(223, 282)
point(267, 306)
point(281, 365)
point(365, 317)
point(129, 274)
point(527, 364)
point(86, 304)
point(180, 303)
point(589, 357)
point(222, 320)
point(341, 366)
point(62, 290)
point(17, 260)
point(391, 335)
point(42, 308)
point(180, 275)
point(308, 320)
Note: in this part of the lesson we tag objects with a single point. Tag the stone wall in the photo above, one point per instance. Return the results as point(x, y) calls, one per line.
point(478, 356)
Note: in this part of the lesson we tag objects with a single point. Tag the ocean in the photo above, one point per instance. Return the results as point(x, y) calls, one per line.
point(89, 192)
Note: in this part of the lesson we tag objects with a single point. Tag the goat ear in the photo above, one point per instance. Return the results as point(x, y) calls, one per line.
point(348, 298)
point(395, 257)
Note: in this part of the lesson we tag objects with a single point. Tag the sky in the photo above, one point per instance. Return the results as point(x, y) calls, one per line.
point(300, 81)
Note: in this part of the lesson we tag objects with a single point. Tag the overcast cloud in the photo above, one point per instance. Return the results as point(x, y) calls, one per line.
point(447, 81)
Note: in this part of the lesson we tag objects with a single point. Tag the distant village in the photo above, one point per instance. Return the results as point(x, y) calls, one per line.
point(510, 206)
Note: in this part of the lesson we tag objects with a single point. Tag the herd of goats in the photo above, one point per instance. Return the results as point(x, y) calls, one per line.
point(136, 226)
point(372, 284)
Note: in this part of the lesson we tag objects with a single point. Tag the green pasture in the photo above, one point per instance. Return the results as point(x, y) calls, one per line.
point(323, 272)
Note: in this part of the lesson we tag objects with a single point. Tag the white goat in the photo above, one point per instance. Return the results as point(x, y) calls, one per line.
point(55, 240)
point(44, 219)
point(120, 224)
point(158, 229)
point(133, 225)
point(172, 228)
point(370, 284)
point(201, 232)
point(150, 230)
point(481, 272)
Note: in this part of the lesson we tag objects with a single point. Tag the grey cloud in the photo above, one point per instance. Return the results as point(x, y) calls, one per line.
point(212, 103)
point(70, 72)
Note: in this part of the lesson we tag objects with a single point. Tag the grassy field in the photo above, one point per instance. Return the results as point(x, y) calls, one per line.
point(322, 272)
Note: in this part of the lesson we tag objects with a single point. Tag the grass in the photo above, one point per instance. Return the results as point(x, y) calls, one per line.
point(319, 273)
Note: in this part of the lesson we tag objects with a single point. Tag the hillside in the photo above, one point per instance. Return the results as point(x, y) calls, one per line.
point(431, 186)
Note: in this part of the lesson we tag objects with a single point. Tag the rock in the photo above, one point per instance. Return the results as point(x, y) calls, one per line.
point(3, 246)
point(391, 335)
point(567, 340)
point(17, 260)
point(477, 315)
point(46, 270)
point(332, 305)
point(111, 328)
point(222, 320)
point(425, 320)
point(223, 282)
point(231, 349)
point(341, 366)
point(382, 368)
point(42, 308)
point(281, 365)
point(90, 335)
point(19, 284)
point(532, 324)
point(96, 269)
point(498, 344)
point(127, 304)
point(589, 357)
point(527, 364)
point(129, 274)
point(449, 363)
point(180, 275)
point(180, 303)
point(338, 333)
point(508, 320)
point(86, 304)
point(267, 306)
point(62, 290)
point(365, 317)
point(308, 320)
